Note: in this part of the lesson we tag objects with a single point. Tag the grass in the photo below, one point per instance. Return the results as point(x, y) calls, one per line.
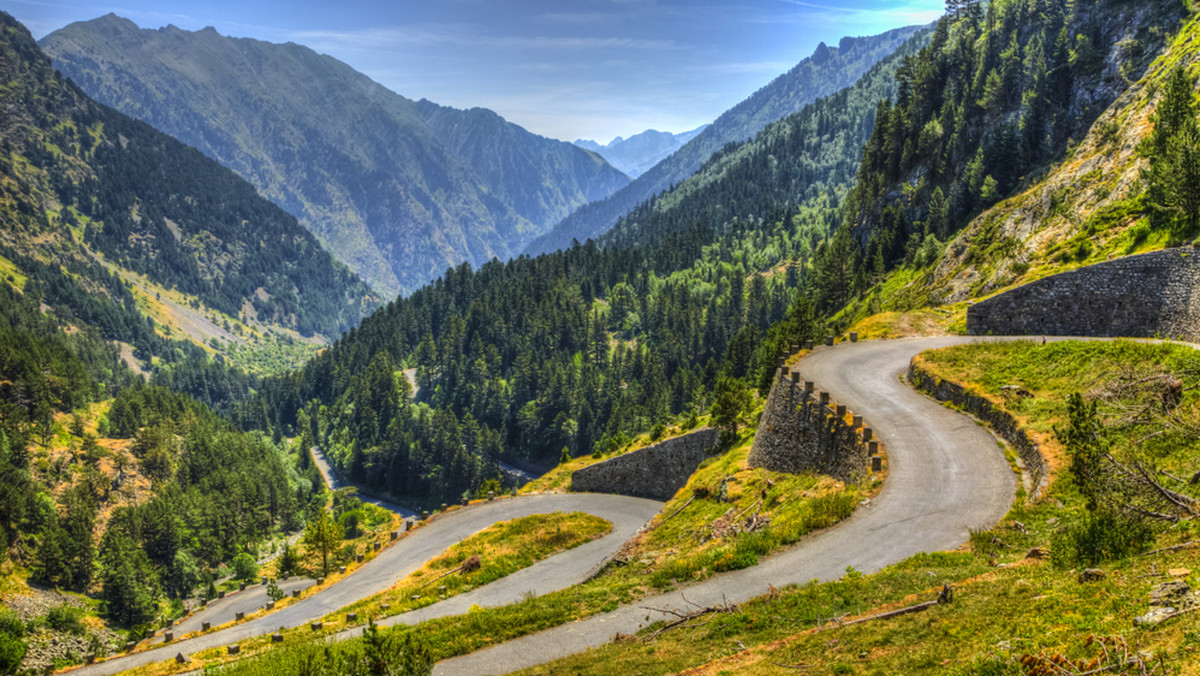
point(502, 548)
point(1020, 606)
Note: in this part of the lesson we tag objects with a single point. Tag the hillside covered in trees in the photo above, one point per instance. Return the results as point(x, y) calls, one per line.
point(83, 187)
point(828, 70)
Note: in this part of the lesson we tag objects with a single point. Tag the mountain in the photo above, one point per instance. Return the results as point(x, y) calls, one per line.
point(802, 164)
point(1019, 136)
point(107, 221)
point(1097, 204)
point(826, 71)
point(636, 154)
point(405, 191)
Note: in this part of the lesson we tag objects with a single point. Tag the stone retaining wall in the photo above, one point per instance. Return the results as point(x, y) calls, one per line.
point(797, 433)
point(655, 472)
point(1001, 421)
point(1151, 294)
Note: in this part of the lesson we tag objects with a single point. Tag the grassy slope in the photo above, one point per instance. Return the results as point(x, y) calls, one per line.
point(1022, 606)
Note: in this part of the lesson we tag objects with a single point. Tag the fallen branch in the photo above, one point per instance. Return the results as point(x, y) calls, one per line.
point(467, 566)
point(683, 507)
point(945, 596)
point(685, 617)
point(1173, 548)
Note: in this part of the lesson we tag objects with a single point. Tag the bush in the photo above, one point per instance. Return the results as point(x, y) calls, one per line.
point(66, 618)
point(1100, 536)
point(289, 561)
point(350, 522)
point(11, 624)
point(244, 566)
point(12, 651)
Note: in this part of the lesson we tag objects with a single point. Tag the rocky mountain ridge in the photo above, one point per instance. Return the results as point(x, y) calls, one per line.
point(405, 191)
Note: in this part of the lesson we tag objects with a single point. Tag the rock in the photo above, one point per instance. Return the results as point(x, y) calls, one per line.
point(1179, 572)
point(1153, 617)
point(1091, 575)
point(1169, 593)
point(1038, 553)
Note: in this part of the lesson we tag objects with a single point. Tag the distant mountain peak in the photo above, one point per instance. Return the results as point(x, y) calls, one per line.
point(821, 55)
point(636, 154)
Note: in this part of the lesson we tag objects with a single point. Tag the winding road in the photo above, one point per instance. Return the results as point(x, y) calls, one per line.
point(946, 476)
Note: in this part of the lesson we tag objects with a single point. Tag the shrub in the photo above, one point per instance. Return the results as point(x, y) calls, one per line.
point(350, 522)
point(66, 618)
point(244, 566)
point(1100, 536)
point(289, 561)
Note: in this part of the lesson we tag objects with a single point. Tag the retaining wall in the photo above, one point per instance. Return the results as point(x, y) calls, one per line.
point(1001, 421)
point(797, 433)
point(655, 472)
point(1151, 294)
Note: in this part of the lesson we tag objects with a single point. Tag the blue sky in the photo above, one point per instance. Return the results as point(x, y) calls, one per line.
point(562, 68)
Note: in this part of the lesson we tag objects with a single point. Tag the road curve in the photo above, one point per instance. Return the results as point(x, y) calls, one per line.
point(626, 514)
point(946, 476)
point(334, 482)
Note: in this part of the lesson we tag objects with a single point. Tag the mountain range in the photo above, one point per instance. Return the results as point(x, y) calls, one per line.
point(98, 208)
point(638, 153)
point(397, 189)
point(826, 71)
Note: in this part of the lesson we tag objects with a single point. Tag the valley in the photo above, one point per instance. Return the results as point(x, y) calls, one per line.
point(324, 412)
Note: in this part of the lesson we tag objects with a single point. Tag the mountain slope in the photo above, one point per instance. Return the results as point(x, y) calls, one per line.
point(1089, 207)
point(804, 162)
point(1020, 140)
point(826, 71)
point(88, 195)
point(400, 194)
point(638, 153)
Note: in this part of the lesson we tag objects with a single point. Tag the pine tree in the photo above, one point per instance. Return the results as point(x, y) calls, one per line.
point(322, 538)
point(1174, 149)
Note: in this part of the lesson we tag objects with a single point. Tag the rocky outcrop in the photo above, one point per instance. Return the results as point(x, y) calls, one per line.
point(1151, 294)
point(655, 472)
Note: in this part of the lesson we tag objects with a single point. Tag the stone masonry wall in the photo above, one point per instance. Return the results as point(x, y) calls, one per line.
point(1156, 293)
point(998, 419)
point(797, 433)
point(656, 471)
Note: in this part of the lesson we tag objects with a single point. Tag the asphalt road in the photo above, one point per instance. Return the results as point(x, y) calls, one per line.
point(946, 476)
point(395, 562)
point(334, 482)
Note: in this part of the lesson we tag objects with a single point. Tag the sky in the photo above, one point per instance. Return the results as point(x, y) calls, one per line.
point(565, 69)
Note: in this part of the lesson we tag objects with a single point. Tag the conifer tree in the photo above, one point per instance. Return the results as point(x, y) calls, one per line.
point(1174, 150)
